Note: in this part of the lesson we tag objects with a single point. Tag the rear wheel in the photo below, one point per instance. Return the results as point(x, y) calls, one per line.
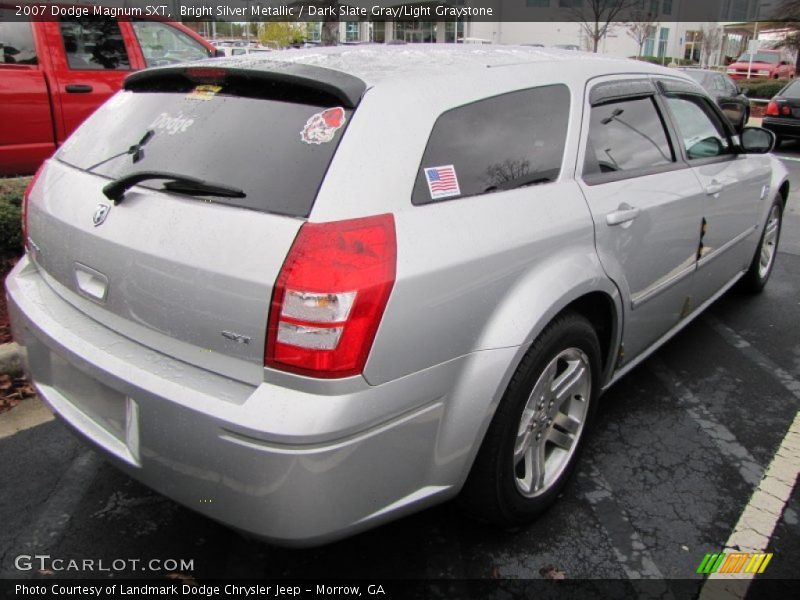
point(761, 266)
point(533, 442)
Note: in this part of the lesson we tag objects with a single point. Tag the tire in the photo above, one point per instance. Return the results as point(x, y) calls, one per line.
point(763, 261)
point(501, 487)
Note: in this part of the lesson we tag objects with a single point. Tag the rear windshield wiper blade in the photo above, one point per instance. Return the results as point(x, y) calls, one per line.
point(180, 184)
point(137, 150)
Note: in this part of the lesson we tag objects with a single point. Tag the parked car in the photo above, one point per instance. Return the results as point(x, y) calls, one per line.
point(767, 64)
point(57, 71)
point(241, 50)
point(278, 295)
point(782, 114)
point(725, 93)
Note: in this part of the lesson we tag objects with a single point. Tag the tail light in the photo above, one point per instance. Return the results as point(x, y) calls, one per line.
point(786, 110)
point(772, 109)
point(24, 208)
point(330, 297)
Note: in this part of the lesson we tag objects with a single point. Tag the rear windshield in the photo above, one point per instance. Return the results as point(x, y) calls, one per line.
point(276, 149)
point(765, 57)
point(791, 91)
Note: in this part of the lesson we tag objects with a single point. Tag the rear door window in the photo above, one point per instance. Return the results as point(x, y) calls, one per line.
point(626, 135)
point(496, 144)
point(163, 44)
point(16, 41)
point(94, 45)
point(275, 148)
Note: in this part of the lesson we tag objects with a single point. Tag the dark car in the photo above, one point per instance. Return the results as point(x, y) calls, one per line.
point(726, 93)
point(782, 115)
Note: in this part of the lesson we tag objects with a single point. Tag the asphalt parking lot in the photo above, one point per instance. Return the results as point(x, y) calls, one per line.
point(674, 457)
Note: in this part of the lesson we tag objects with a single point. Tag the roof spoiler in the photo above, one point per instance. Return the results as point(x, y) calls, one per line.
point(344, 88)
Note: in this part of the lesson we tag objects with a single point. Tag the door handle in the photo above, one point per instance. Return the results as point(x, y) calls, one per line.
point(78, 88)
point(624, 214)
point(713, 188)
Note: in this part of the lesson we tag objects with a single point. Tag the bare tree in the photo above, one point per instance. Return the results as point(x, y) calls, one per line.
point(595, 17)
point(639, 29)
point(329, 33)
point(712, 42)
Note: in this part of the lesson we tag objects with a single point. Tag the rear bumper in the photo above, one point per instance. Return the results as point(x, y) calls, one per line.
point(223, 448)
point(782, 127)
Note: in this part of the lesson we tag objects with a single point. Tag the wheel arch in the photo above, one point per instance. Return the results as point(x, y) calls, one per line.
point(594, 296)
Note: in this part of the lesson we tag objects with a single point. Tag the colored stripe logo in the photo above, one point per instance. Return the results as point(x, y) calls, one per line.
point(734, 562)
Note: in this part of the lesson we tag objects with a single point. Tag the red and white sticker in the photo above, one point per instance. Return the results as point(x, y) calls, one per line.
point(321, 127)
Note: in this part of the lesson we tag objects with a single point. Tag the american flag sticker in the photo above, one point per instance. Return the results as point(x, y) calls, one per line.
point(442, 182)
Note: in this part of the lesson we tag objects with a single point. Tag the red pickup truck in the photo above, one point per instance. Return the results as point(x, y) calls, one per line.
point(54, 72)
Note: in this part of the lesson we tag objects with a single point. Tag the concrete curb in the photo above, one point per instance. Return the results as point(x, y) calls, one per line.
point(9, 359)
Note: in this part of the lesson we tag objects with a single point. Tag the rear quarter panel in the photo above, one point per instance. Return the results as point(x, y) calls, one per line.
point(476, 273)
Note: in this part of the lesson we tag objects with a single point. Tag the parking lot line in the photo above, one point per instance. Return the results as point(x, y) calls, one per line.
point(761, 514)
point(748, 467)
point(54, 516)
point(767, 364)
point(631, 552)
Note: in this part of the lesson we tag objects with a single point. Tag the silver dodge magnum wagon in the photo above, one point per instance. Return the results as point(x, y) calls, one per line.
point(308, 293)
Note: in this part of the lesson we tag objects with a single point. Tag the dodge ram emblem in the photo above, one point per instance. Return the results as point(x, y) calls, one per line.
point(100, 214)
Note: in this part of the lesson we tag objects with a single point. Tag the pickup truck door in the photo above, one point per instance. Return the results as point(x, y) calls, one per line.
point(646, 204)
point(735, 187)
point(26, 134)
point(90, 58)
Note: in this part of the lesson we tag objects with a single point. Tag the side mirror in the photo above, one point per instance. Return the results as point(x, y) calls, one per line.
point(757, 140)
point(706, 148)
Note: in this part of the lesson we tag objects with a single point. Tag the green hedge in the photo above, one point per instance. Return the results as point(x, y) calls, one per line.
point(764, 89)
point(681, 62)
point(11, 191)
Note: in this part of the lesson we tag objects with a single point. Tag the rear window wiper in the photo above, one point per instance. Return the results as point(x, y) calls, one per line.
point(180, 184)
point(137, 150)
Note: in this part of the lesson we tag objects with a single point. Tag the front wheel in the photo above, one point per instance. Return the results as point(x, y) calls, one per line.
point(761, 266)
point(534, 439)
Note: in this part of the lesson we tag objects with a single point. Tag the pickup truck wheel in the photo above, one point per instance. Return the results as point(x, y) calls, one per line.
point(761, 266)
point(532, 444)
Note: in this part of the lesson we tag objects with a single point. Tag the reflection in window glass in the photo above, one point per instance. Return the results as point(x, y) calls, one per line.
point(94, 44)
point(497, 144)
point(701, 133)
point(164, 45)
point(626, 135)
point(16, 41)
point(792, 90)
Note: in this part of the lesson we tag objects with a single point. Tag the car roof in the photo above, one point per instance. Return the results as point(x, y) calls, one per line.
point(377, 62)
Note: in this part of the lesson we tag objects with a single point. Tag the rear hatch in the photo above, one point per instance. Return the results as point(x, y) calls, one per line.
point(183, 270)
